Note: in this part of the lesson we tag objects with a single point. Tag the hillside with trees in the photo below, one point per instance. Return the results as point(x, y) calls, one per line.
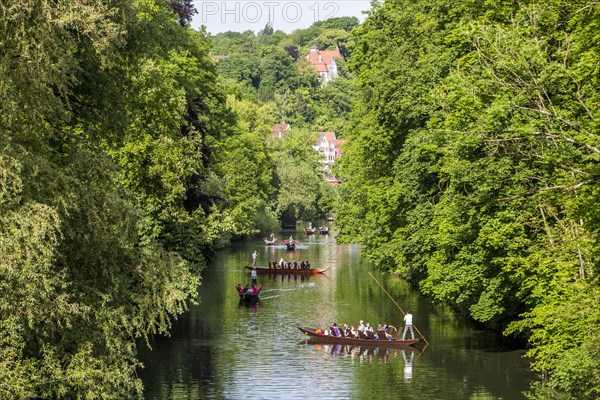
point(267, 81)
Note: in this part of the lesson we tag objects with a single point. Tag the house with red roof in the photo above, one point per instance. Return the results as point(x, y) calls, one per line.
point(279, 130)
point(329, 146)
point(323, 61)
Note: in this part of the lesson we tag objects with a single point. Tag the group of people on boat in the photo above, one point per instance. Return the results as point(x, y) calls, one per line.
point(291, 240)
point(366, 331)
point(248, 289)
point(361, 331)
point(282, 264)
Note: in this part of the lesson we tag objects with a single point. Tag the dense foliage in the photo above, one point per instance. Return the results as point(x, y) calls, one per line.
point(115, 144)
point(473, 165)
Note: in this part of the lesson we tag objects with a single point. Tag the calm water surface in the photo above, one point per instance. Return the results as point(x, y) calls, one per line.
point(221, 350)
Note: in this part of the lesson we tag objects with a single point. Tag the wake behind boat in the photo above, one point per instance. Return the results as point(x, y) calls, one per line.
point(317, 336)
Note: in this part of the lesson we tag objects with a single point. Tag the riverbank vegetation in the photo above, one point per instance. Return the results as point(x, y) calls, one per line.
point(472, 168)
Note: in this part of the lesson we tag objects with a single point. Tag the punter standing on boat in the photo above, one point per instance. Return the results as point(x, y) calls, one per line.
point(254, 255)
point(408, 324)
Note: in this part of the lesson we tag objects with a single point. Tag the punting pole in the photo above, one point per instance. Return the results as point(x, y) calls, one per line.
point(400, 308)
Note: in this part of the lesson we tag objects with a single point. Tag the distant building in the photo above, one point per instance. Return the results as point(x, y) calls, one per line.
point(324, 62)
point(217, 58)
point(279, 130)
point(330, 149)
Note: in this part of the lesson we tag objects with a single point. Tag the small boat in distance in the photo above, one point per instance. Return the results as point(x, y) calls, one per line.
point(324, 230)
point(271, 242)
point(247, 294)
point(290, 243)
point(322, 338)
point(310, 231)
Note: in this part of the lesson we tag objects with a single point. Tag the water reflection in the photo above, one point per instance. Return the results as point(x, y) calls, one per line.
point(366, 353)
point(253, 306)
point(408, 364)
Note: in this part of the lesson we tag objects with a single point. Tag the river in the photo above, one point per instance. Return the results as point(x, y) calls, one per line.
point(221, 350)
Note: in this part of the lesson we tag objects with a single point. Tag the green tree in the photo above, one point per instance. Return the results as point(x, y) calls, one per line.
point(471, 167)
point(110, 112)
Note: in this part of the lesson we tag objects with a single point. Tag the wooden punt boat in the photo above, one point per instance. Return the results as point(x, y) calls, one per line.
point(323, 230)
point(310, 231)
point(270, 242)
point(287, 271)
point(248, 297)
point(396, 343)
point(290, 244)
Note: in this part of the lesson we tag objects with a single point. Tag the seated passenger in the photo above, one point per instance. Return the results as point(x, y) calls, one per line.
point(335, 331)
point(239, 288)
point(295, 264)
point(302, 265)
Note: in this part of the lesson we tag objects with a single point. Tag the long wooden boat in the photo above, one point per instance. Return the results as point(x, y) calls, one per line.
point(310, 231)
point(397, 343)
point(287, 271)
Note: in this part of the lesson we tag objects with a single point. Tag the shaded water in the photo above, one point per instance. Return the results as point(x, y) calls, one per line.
point(222, 350)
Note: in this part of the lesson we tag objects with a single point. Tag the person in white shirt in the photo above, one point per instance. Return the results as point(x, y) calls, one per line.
point(254, 255)
point(408, 324)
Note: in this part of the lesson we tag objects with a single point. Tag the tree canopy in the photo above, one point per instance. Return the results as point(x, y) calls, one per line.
point(472, 167)
point(117, 179)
